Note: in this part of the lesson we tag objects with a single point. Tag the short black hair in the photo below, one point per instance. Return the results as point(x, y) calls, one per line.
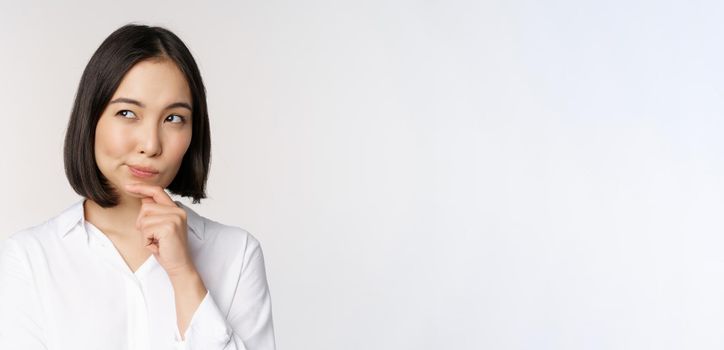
point(120, 51)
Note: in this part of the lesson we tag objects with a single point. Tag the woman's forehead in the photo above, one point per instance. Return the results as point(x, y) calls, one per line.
point(154, 83)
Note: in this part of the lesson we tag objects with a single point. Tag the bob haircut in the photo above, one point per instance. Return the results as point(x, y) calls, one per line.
point(124, 48)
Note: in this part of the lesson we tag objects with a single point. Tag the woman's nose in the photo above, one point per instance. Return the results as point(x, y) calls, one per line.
point(149, 140)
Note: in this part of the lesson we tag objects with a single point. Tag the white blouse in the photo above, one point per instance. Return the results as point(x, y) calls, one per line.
point(63, 285)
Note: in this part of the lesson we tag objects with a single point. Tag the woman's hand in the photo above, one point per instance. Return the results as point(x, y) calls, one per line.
point(163, 225)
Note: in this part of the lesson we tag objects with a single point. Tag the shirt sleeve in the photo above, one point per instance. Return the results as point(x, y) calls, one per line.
point(21, 321)
point(249, 325)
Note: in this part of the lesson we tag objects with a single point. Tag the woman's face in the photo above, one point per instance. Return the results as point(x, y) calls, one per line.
point(146, 126)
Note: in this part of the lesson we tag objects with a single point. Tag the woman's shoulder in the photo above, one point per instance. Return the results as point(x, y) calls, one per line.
point(217, 230)
point(211, 231)
point(36, 231)
point(48, 231)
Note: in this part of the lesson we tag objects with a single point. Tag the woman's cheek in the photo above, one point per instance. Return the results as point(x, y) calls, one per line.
point(113, 143)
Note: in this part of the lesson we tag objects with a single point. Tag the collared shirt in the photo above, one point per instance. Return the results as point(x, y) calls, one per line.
point(64, 285)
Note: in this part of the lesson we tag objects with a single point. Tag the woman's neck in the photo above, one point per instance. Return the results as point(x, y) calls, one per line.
point(118, 221)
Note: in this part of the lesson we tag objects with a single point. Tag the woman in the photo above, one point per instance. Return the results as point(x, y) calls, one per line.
point(126, 267)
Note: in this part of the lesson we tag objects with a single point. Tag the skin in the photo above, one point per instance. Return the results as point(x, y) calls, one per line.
point(149, 134)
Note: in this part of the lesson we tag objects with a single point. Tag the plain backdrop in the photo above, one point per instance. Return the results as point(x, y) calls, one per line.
point(431, 174)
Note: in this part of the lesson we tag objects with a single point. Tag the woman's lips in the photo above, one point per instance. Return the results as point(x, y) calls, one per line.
point(142, 173)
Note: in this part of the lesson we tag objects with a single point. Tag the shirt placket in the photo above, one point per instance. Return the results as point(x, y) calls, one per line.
point(137, 326)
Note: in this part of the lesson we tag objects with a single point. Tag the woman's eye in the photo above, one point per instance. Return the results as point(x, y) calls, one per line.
point(179, 119)
point(124, 113)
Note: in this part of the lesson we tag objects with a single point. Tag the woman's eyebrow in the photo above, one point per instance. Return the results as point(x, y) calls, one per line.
point(139, 104)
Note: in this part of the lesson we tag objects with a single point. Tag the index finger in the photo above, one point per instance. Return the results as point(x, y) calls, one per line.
point(155, 192)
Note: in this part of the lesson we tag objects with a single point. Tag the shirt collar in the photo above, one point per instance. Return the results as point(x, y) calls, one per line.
point(75, 215)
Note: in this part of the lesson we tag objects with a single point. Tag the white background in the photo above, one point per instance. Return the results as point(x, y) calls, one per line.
point(431, 174)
